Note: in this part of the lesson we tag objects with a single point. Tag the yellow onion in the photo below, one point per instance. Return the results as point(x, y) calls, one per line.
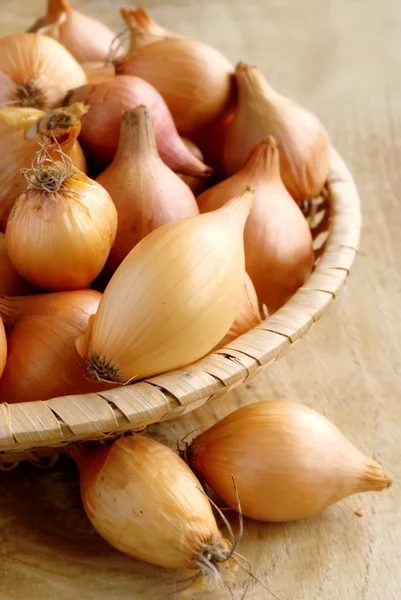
point(248, 314)
point(145, 501)
point(20, 131)
point(36, 71)
point(289, 462)
point(279, 253)
point(3, 348)
point(146, 193)
point(11, 282)
point(300, 136)
point(195, 80)
point(172, 299)
point(87, 39)
point(41, 360)
point(62, 226)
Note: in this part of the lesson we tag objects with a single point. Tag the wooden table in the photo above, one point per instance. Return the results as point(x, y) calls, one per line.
point(342, 59)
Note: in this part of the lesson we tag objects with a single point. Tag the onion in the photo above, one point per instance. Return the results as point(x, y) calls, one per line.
point(11, 283)
point(144, 500)
point(172, 299)
point(101, 126)
point(36, 71)
point(289, 462)
point(3, 348)
point(42, 329)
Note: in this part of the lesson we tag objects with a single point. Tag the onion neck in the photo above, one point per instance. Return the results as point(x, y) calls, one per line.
point(56, 7)
point(373, 478)
point(263, 161)
point(137, 136)
point(251, 83)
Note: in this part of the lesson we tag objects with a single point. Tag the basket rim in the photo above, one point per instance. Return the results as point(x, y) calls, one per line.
point(31, 430)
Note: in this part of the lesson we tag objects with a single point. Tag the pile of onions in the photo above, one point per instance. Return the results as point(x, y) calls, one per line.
point(146, 193)
point(87, 39)
point(172, 299)
point(101, 126)
point(196, 81)
point(289, 462)
point(20, 132)
point(36, 71)
point(41, 361)
point(145, 501)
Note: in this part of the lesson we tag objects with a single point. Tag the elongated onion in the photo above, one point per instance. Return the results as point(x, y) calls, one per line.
point(36, 71)
point(62, 226)
point(172, 299)
point(144, 500)
point(279, 254)
point(42, 330)
point(11, 282)
point(101, 126)
point(195, 80)
point(87, 39)
point(289, 461)
point(3, 348)
point(301, 138)
point(20, 131)
point(146, 193)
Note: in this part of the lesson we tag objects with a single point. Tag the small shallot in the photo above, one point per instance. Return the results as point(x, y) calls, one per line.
point(278, 243)
point(145, 191)
point(289, 462)
point(101, 126)
point(301, 138)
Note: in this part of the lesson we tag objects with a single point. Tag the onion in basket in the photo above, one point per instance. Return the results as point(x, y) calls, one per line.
point(289, 461)
point(301, 138)
point(146, 193)
point(62, 226)
point(172, 299)
point(41, 333)
point(195, 80)
point(36, 71)
point(278, 243)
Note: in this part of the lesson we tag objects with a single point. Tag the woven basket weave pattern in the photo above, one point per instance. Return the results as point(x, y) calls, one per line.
point(37, 430)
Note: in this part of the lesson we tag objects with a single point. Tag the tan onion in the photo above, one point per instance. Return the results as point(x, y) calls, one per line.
point(301, 138)
point(172, 299)
point(36, 71)
point(86, 38)
point(195, 80)
point(146, 193)
point(289, 462)
point(11, 283)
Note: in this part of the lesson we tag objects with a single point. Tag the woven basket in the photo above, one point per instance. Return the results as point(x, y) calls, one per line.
point(37, 431)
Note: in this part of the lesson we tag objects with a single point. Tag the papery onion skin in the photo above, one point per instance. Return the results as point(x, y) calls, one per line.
point(3, 348)
point(289, 462)
point(101, 126)
point(41, 361)
point(145, 501)
point(301, 138)
point(36, 71)
point(17, 152)
point(172, 299)
point(279, 254)
point(143, 30)
point(86, 38)
point(195, 80)
point(61, 240)
point(98, 72)
point(11, 282)
point(146, 193)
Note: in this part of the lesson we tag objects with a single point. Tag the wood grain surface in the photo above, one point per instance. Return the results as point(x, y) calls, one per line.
point(343, 60)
